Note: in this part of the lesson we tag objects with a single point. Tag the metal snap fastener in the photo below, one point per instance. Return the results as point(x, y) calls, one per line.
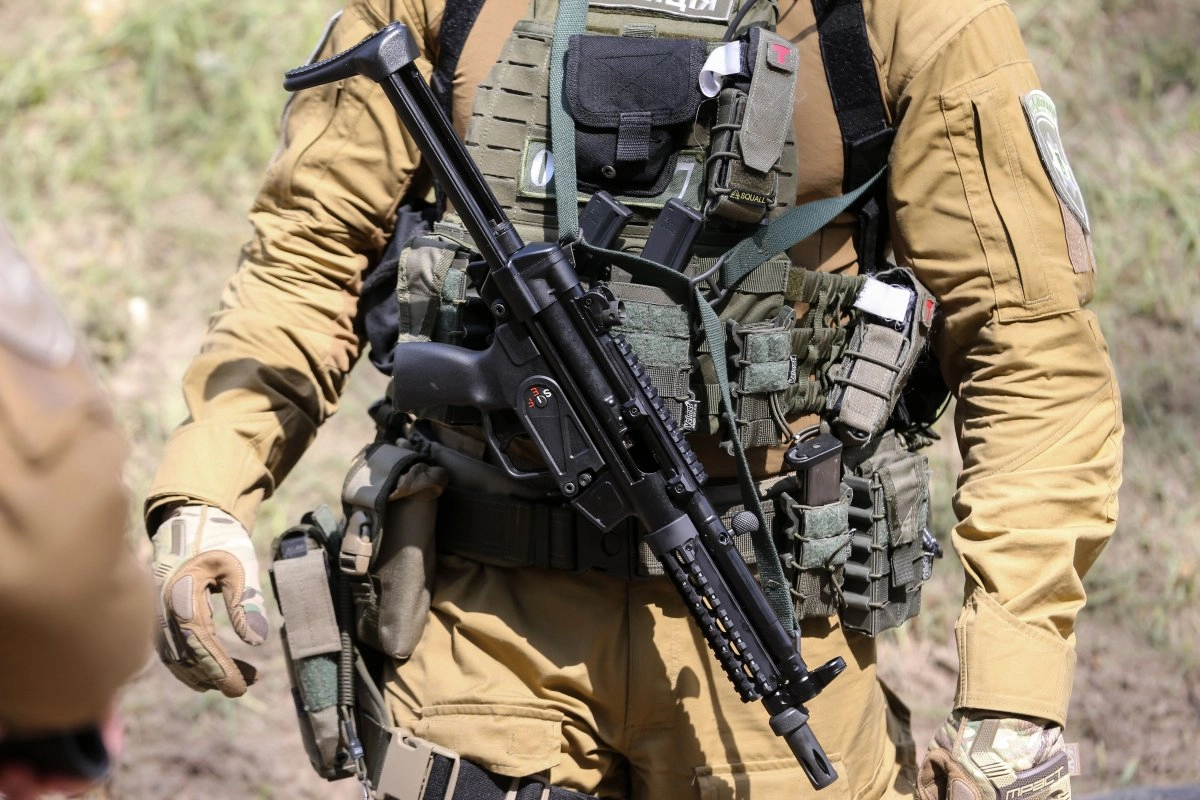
point(608, 171)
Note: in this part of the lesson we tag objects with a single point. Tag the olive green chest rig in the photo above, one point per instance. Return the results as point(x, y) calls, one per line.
point(712, 163)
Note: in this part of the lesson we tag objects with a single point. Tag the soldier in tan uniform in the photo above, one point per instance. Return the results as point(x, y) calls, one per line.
point(75, 618)
point(601, 684)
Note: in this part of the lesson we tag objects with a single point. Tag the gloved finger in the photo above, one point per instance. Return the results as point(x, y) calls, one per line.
point(943, 778)
point(189, 620)
point(243, 595)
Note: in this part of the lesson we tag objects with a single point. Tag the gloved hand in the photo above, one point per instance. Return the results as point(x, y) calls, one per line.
point(197, 550)
point(979, 755)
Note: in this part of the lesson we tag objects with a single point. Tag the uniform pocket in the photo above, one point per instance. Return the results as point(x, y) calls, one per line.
point(778, 778)
point(1013, 205)
point(515, 738)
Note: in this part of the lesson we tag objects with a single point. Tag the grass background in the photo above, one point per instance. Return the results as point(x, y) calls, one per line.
point(135, 132)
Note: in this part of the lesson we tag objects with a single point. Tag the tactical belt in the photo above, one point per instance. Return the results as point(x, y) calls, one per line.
point(405, 767)
point(513, 532)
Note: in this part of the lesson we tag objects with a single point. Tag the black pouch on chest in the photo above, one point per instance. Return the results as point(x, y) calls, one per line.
point(633, 101)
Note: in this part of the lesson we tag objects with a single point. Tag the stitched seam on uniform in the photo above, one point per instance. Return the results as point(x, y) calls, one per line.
point(942, 104)
point(1025, 456)
point(1113, 440)
point(944, 40)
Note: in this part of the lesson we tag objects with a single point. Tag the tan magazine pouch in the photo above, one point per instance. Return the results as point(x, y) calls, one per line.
point(390, 498)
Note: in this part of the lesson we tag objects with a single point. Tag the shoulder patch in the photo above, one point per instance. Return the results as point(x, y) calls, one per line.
point(1043, 122)
point(30, 323)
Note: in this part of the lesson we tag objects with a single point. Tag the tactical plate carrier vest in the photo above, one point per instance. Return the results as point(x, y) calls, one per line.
point(646, 134)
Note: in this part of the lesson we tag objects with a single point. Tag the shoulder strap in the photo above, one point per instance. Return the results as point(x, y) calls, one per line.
point(866, 133)
point(457, 20)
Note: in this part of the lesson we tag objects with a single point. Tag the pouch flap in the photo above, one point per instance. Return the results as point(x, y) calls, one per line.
point(625, 81)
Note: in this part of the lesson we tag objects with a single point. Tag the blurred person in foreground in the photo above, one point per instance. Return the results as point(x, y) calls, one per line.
point(534, 666)
point(75, 606)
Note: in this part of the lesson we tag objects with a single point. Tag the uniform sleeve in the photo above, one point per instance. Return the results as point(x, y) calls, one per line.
point(275, 357)
point(75, 607)
point(1038, 411)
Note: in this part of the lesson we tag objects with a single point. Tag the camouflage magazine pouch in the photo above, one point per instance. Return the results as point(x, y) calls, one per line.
point(436, 300)
point(891, 550)
point(816, 549)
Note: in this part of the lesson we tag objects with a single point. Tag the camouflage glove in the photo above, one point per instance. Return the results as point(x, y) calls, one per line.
point(982, 756)
point(198, 550)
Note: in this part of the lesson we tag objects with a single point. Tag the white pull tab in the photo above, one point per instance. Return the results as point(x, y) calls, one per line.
point(725, 60)
point(885, 300)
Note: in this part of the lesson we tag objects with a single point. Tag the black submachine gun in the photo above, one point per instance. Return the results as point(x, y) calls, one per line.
point(585, 401)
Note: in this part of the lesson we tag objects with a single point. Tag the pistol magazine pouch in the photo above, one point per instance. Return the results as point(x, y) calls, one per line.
point(633, 100)
point(818, 544)
point(390, 500)
point(311, 634)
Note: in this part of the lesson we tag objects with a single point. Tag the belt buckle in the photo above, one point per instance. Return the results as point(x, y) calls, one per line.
point(407, 763)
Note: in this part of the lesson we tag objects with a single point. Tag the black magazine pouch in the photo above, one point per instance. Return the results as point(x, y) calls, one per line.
point(633, 101)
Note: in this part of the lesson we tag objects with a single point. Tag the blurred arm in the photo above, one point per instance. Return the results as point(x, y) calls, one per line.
point(75, 607)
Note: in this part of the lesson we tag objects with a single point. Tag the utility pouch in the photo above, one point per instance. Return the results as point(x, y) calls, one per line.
point(753, 118)
point(436, 300)
point(892, 551)
point(762, 369)
point(817, 546)
point(633, 100)
point(387, 552)
point(888, 340)
point(312, 636)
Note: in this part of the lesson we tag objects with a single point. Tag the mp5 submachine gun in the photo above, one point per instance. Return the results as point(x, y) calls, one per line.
point(601, 428)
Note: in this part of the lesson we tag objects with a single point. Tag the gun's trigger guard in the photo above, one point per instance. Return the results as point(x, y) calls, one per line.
point(497, 449)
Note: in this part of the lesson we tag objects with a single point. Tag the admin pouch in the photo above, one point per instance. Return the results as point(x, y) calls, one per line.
point(633, 100)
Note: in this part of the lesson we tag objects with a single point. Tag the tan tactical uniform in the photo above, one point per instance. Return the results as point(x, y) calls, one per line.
point(575, 669)
point(75, 608)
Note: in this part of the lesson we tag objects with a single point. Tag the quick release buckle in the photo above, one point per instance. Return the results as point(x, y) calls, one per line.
point(407, 765)
point(354, 556)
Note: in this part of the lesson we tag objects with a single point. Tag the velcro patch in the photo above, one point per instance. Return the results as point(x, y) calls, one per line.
point(720, 10)
point(1043, 122)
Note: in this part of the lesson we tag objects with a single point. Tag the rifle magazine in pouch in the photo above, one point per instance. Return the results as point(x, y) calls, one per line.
point(390, 499)
point(312, 636)
point(892, 550)
point(763, 368)
point(818, 544)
